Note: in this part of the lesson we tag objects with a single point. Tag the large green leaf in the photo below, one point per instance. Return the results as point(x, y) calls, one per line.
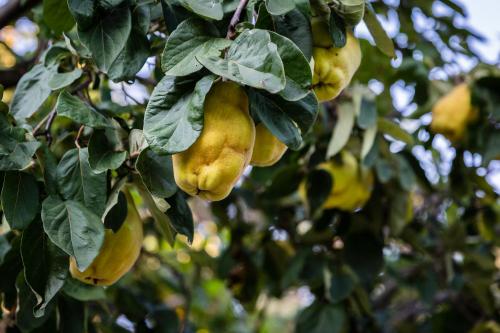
point(174, 115)
point(211, 9)
point(75, 109)
point(57, 15)
point(20, 200)
point(78, 182)
point(288, 121)
point(352, 11)
point(105, 150)
point(321, 317)
point(83, 11)
point(83, 292)
point(295, 26)
point(136, 51)
point(107, 35)
point(74, 228)
point(297, 71)
point(193, 37)
point(156, 172)
point(279, 7)
point(45, 266)
point(31, 91)
point(253, 60)
point(61, 80)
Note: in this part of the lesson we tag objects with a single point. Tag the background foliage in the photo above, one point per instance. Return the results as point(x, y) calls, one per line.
point(422, 255)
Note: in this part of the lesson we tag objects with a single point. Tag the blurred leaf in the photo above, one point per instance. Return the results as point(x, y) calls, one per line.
point(343, 282)
point(211, 9)
point(390, 128)
point(342, 130)
point(319, 184)
point(382, 40)
point(279, 7)
point(321, 318)
point(337, 30)
point(363, 253)
point(83, 292)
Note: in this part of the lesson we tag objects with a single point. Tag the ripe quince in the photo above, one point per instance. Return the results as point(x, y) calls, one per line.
point(453, 113)
point(352, 185)
point(268, 149)
point(213, 164)
point(333, 67)
point(118, 253)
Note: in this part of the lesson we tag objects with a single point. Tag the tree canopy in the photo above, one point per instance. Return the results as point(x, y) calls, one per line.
point(369, 209)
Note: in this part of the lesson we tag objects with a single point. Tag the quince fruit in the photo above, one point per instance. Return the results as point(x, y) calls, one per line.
point(213, 164)
point(352, 185)
point(118, 253)
point(267, 149)
point(453, 113)
point(333, 67)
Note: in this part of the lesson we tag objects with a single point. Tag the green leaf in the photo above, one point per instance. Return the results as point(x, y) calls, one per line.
point(295, 26)
point(73, 228)
point(137, 49)
point(369, 137)
point(82, 10)
point(342, 130)
point(319, 184)
point(368, 114)
point(180, 215)
point(48, 165)
point(78, 182)
point(174, 115)
point(115, 198)
point(297, 71)
point(279, 7)
point(392, 129)
point(75, 109)
point(211, 9)
point(193, 37)
point(106, 37)
point(83, 292)
point(57, 15)
point(156, 172)
point(25, 319)
point(31, 91)
point(363, 253)
point(45, 266)
point(161, 219)
point(343, 283)
point(61, 80)
point(251, 60)
point(321, 317)
point(275, 117)
point(20, 200)
point(337, 30)
point(406, 176)
point(352, 11)
point(105, 150)
point(382, 40)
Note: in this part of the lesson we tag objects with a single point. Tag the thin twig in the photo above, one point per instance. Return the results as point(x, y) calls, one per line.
point(80, 131)
point(48, 135)
point(127, 95)
point(231, 30)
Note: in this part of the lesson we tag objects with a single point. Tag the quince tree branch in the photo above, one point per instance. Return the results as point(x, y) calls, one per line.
point(231, 31)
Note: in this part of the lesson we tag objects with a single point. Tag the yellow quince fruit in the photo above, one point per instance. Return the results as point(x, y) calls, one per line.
point(453, 113)
point(333, 67)
point(352, 185)
point(118, 253)
point(486, 327)
point(213, 164)
point(268, 149)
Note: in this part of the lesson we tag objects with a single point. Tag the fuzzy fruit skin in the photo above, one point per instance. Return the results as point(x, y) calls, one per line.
point(352, 186)
point(453, 112)
point(118, 253)
point(213, 164)
point(267, 150)
point(334, 68)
